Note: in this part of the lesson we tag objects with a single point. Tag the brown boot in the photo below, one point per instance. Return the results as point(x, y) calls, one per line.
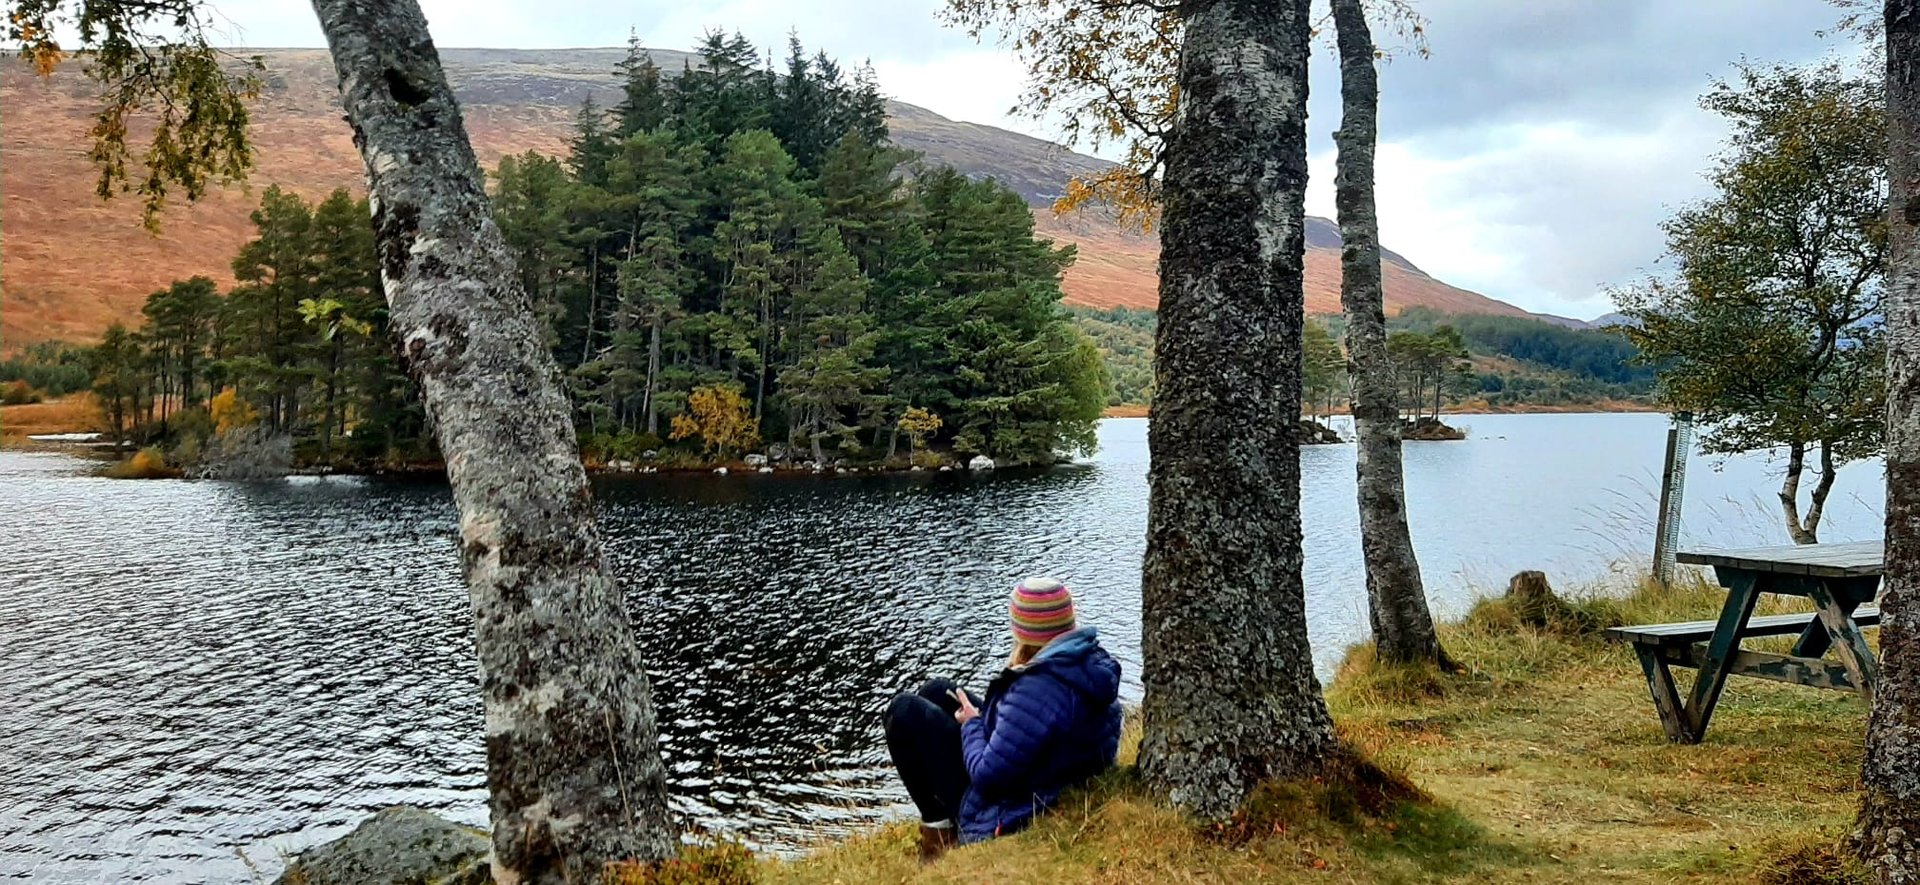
point(934, 841)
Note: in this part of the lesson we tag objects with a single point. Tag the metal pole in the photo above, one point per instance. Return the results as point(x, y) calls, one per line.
point(1673, 482)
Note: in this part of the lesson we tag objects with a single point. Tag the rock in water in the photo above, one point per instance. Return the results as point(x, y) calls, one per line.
point(756, 461)
point(397, 846)
point(980, 462)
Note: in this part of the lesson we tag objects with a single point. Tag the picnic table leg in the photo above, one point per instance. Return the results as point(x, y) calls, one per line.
point(1742, 592)
point(1851, 647)
point(1666, 697)
point(1851, 594)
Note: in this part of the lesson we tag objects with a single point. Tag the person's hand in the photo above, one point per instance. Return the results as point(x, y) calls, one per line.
point(967, 710)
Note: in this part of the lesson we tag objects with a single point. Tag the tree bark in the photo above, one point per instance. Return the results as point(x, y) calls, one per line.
point(1231, 697)
point(1403, 630)
point(653, 373)
point(1889, 834)
point(1790, 494)
point(573, 768)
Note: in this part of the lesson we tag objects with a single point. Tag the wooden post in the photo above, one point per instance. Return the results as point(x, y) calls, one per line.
point(1673, 478)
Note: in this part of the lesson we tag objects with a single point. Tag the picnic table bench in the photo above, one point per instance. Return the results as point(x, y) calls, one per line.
point(1840, 580)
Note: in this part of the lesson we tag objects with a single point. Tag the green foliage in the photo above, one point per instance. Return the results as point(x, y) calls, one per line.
point(1770, 329)
point(723, 229)
point(1423, 361)
point(1540, 363)
point(1603, 356)
point(728, 228)
point(153, 62)
point(51, 367)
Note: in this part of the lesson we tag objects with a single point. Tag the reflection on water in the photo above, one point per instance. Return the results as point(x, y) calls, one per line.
point(203, 676)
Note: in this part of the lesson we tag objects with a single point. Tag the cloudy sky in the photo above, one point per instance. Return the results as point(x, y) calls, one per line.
point(1530, 158)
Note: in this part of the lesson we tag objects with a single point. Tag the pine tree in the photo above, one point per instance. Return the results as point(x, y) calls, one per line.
point(277, 270)
point(832, 376)
point(759, 203)
point(643, 102)
point(592, 144)
point(180, 324)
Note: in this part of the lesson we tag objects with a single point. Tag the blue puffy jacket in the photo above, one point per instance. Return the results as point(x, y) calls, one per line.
point(1042, 728)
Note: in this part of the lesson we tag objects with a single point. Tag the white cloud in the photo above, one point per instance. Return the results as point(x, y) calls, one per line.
point(1531, 158)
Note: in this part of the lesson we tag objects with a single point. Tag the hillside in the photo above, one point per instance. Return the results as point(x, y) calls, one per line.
point(70, 263)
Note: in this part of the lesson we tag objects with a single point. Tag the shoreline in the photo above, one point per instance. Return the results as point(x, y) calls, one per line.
point(1471, 407)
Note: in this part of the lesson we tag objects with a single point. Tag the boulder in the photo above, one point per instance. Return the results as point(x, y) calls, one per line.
point(980, 462)
point(756, 461)
point(622, 466)
point(398, 845)
point(1314, 433)
point(766, 469)
point(1430, 430)
point(720, 470)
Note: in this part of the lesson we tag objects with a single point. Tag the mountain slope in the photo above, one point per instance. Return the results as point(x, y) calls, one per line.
point(70, 264)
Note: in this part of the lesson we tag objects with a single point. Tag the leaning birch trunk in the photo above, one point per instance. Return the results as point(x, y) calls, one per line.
point(1890, 811)
point(1231, 697)
point(1396, 599)
point(573, 769)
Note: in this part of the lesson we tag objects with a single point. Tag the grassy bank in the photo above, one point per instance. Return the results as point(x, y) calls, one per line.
point(1546, 764)
point(69, 414)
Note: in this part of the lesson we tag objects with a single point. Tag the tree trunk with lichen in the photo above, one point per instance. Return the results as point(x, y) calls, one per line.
point(1231, 697)
point(1889, 835)
point(1403, 630)
point(573, 768)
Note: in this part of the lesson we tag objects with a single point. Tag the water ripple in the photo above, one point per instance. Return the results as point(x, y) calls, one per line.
point(203, 676)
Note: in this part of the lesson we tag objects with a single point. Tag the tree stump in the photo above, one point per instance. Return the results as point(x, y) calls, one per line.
point(1534, 602)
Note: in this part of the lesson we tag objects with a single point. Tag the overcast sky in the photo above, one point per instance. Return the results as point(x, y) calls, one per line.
point(1530, 158)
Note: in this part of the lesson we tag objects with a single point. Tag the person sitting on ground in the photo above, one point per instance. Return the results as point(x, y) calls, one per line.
point(1049, 721)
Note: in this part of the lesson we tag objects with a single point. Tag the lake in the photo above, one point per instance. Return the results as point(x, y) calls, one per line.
point(201, 677)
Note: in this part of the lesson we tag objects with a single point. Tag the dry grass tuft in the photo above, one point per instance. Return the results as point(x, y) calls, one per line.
point(68, 414)
point(717, 863)
point(1820, 859)
point(1545, 764)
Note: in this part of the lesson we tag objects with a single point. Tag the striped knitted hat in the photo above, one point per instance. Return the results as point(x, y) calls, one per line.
point(1042, 609)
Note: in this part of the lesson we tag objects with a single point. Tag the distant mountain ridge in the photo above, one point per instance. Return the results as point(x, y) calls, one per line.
point(70, 263)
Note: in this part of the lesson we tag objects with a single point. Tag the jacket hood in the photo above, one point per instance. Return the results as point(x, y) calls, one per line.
point(1078, 660)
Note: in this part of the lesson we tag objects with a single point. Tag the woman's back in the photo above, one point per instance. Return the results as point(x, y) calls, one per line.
point(1043, 728)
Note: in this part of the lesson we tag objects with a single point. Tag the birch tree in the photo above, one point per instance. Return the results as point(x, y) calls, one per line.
point(1231, 697)
point(1403, 630)
point(1889, 837)
point(574, 775)
point(573, 767)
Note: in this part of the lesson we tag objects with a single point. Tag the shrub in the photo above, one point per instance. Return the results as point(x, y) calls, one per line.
point(18, 393)
point(230, 412)
point(148, 463)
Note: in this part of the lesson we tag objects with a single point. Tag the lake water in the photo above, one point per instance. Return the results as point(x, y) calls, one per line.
point(201, 677)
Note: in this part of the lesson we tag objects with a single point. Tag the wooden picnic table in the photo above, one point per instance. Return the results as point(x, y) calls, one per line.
point(1840, 579)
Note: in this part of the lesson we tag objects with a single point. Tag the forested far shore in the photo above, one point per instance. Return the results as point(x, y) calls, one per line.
point(728, 261)
point(1443, 363)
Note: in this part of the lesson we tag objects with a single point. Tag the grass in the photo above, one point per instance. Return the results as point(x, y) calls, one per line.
point(1543, 762)
point(69, 414)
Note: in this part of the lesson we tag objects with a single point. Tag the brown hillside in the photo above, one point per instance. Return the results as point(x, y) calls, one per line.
point(70, 264)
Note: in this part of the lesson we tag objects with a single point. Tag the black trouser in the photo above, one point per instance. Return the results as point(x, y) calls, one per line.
point(925, 744)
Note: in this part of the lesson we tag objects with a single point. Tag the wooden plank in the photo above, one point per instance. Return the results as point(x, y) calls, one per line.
point(1848, 644)
point(1686, 632)
point(1849, 593)
point(1853, 559)
point(1743, 591)
point(1812, 672)
point(1666, 697)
